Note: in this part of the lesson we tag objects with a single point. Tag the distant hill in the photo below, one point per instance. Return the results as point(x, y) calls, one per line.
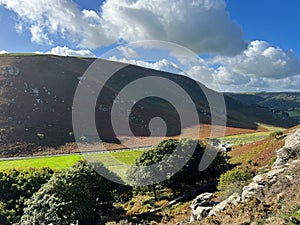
point(36, 96)
point(278, 102)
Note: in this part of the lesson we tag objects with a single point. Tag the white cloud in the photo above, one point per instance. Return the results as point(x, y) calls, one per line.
point(65, 51)
point(284, 84)
point(227, 77)
point(3, 52)
point(201, 25)
point(261, 67)
point(161, 65)
point(47, 19)
point(261, 59)
point(38, 36)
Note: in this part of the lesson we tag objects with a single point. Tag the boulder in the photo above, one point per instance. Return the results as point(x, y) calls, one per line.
point(233, 199)
point(201, 206)
point(202, 200)
point(291, 149)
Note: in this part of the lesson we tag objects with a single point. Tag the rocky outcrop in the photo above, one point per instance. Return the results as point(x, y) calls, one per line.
point(202, 206)
point(260, 182)
point(287, 157)
point(291, 149)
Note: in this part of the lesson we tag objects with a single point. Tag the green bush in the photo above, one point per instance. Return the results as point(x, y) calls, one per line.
point(75, 195)
point(232, 182)
point(16, 186)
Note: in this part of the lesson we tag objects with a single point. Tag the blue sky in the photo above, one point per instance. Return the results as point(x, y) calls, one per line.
point(274, 21)
point(247, 45)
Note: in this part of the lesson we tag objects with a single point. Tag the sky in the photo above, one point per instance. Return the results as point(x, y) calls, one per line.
point(248, 45)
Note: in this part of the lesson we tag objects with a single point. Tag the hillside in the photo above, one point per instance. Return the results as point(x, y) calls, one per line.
point(270, 197)
point(279, 102)
point(36, 96)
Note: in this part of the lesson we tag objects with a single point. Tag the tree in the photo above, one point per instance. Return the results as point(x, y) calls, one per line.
point(187, 177)
point(75, 195)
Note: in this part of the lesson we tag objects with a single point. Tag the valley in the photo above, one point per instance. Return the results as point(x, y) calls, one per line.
point(37, 142)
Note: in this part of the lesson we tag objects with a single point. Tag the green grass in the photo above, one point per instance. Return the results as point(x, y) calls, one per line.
point(113, 161)
point(127, 157)
point(118, 162)
point(241, 139)
point(55, 162)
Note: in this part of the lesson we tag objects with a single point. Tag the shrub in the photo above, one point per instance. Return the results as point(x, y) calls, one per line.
point(16, 186)
point(74, 195)
point(232, 182)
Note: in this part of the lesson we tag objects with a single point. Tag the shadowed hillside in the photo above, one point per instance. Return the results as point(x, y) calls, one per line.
point(36, 96)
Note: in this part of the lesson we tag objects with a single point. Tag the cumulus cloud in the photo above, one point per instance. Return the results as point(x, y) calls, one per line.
point(261, 67)
point(226, 76)
point(47, 18)
point(161, 65)
point(3, 52)
point(261, 59)
point(201, 25)
point(65, 51)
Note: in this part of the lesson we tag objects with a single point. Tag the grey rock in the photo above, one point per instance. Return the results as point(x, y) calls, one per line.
point(200, 213)
point(252, 190)
point(291, 149)
point(233, 199)
point(202, 200)
point(256, 188)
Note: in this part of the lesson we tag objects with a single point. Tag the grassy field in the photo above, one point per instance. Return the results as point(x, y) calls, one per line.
point(118, 162)
point(241, 139)
point(62, 162)
point(55, 162)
